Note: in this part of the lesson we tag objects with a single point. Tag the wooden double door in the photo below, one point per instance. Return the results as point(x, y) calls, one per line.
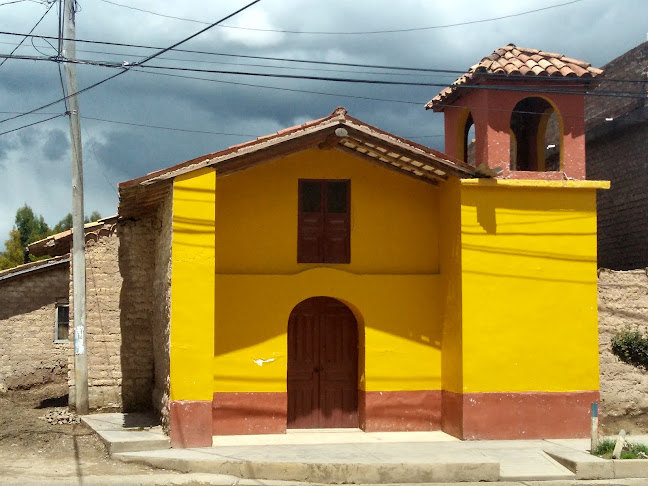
point(322, 365)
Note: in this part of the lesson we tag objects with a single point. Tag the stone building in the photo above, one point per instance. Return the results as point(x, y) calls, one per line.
point(335, 275)
point(34, 323)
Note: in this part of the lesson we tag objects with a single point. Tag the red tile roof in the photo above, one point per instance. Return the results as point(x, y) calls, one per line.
point(338, 130)
point(519, 61)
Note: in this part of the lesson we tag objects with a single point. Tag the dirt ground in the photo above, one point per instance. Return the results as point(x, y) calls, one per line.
point(32, 447)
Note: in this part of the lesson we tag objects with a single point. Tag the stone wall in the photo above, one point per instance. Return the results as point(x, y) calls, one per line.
point(623, 303)
point(161, 315)
point(28, 354)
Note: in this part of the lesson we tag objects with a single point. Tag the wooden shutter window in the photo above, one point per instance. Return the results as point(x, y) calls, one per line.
point(324, 221)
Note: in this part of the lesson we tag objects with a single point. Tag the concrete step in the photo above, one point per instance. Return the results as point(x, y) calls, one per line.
point(328, 463)
point(128, 432)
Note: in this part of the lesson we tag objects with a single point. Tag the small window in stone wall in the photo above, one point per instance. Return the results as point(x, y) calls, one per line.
point(62, 322)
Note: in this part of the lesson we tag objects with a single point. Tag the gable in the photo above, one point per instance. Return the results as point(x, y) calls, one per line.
point(337, 131)
point(394, 218)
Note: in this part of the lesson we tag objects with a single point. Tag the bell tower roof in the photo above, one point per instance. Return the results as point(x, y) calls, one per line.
point(510, 63)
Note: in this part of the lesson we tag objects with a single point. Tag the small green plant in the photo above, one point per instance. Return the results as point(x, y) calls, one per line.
point(631, 346)
point(605, 448)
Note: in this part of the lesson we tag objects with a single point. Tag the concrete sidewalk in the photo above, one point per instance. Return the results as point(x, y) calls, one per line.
point(352, 456)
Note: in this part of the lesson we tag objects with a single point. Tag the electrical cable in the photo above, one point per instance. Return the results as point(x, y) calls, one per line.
point(123, 70)
point(9, 3)
point(253, 65)
point(32, 30)
point(32, 124)
point(635, 94)
point(153, 56)
point(277, 88)
point(553, 79)
point(622, 94)
point(206, 132)
point(61, 23)
point(391, 31)
point(306, 61)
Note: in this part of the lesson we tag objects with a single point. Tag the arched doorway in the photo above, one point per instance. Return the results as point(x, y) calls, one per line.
point(322, 365)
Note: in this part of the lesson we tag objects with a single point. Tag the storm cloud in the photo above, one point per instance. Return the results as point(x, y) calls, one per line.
point(34, 165)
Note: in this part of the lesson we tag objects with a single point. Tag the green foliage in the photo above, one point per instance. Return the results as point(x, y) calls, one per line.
point(630, 450)
point(14, 254)
point(631, 346)
point(66, 223)
point(63, 225)
point(29, 228)
point(605, 447)
point(94, 216)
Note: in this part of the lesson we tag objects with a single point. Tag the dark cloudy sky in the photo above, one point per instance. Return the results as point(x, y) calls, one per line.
point(35, 161)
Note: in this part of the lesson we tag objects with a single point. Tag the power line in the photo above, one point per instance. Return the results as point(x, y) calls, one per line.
point(125, 70)
point(25, 37)
point(293, 90)
point(9, 3)
point(633, 94)
point(528, 88)
point(153, 56)
point(243, 56)
point(32, 124)
point(244, 64)
point(391, 31)
point(553, 79)
point(206, 132)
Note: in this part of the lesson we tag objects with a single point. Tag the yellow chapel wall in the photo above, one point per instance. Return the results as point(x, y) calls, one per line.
point(392, 283)
point(192, 286)
point(529, 277)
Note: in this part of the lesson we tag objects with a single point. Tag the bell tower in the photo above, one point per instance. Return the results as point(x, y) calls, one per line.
point(527, 108)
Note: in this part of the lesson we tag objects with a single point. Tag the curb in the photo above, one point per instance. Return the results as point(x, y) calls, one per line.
point(329, 473)
point(588, 467)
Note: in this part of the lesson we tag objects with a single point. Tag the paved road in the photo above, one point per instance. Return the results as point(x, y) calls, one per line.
point(196, 479)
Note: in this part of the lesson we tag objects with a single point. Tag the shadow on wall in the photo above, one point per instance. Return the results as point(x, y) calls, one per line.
point(24, 294)
point(136, 264)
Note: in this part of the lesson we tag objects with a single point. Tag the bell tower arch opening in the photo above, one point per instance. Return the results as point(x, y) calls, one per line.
point(536, 136)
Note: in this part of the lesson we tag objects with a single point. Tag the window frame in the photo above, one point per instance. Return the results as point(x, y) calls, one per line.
point(61, 303)
point(324, 213)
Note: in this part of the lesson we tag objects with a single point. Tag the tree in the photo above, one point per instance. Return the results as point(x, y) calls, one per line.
point(66, 223)
point(94, 216)
point(14, 254)
point(63, 225)
point(31, 227)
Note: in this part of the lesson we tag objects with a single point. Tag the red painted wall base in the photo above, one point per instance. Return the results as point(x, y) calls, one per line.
point(249, 413)
point(528, 415)
point(391, 411)
point(190, 423)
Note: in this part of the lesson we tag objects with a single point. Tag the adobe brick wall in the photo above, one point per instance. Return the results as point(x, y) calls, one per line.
point(622, 303)
point(618, 151)
point(28, 353)
point(119, 306)
point(103, 336)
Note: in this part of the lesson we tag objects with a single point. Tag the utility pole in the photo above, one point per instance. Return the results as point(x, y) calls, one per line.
point(78, 234)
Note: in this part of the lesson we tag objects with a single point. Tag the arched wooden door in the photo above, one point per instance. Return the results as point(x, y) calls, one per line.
point(322, 365)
